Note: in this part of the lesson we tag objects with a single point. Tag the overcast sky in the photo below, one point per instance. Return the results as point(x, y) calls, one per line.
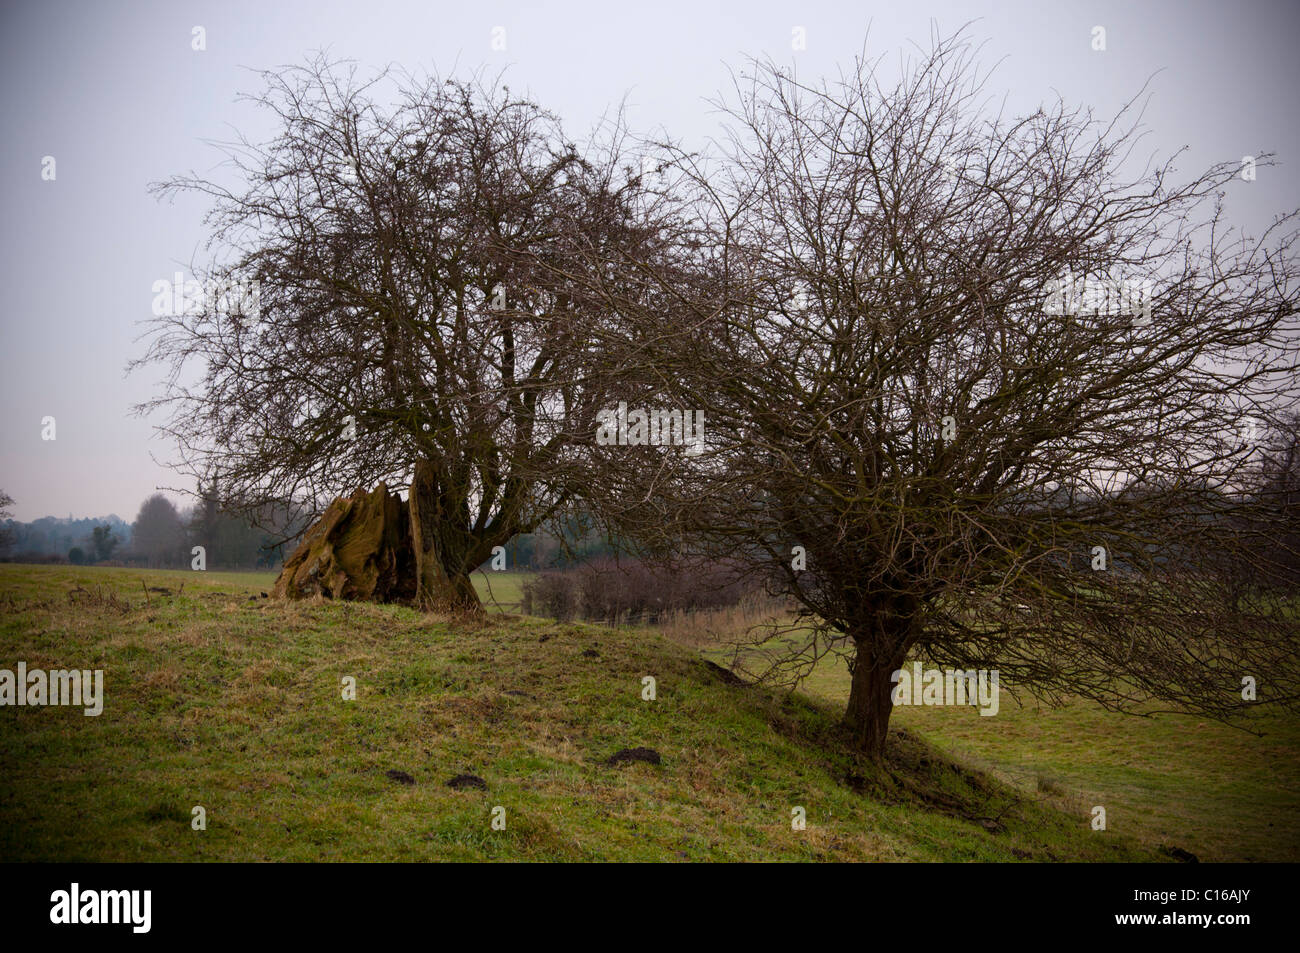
point(118, 96)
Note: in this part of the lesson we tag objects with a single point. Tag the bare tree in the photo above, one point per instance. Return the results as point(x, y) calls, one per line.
point(396, 299)
point(979, 389)
point(1275, 517)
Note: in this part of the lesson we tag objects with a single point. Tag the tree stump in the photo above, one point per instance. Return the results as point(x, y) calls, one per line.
point(359, 549)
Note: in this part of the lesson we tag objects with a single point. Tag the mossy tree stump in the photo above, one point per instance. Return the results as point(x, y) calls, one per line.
point(359, 549)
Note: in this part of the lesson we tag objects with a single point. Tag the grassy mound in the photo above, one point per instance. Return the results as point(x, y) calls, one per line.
point(219, 698)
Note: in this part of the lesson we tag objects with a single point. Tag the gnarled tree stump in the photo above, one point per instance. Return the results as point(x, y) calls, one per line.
point(359, 549)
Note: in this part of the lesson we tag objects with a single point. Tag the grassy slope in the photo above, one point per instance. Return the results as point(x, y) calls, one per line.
point(235, 705)
point(1218, 791)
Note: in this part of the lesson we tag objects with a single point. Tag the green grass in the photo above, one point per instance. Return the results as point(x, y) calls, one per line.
point(1221, 792)
point(501, 591)
point(234, 704)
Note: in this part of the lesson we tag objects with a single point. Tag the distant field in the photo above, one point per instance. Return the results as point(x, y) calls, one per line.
point(216, 697)
point(501, 591)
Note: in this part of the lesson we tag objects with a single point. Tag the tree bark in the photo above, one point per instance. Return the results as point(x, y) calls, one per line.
point(880, 649)
point(870, 703)
point(441, 579)
point(359, 549)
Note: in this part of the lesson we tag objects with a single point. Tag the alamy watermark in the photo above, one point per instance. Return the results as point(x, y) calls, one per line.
point(211, 296)
point(75, 906)
point(36, 687)
point(1082, 294)
point(946, 687)
point(652, 428)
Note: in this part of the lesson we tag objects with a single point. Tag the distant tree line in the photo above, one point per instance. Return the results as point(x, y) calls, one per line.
point(161, 537)
point(52, 538)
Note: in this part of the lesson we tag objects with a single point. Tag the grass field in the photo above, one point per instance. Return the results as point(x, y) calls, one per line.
point(217, 697)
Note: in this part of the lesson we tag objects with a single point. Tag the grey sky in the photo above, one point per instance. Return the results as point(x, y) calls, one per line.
point(114, 92)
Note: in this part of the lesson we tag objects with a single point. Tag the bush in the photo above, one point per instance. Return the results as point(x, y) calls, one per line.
point(612, 591)
point(552, 594)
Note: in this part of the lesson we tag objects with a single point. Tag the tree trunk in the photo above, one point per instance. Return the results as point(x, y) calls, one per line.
point(441, 579)
point(870, 703)
point(879, 650)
